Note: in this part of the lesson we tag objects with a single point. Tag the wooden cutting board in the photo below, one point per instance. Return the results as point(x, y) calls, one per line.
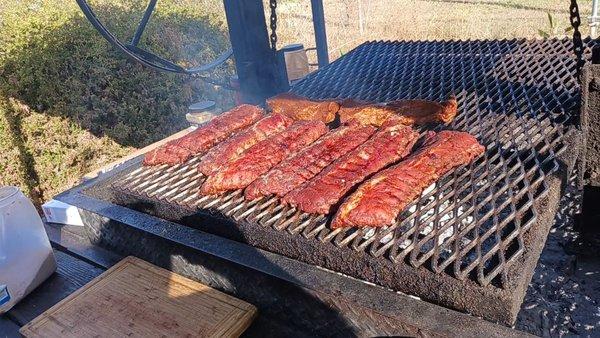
point(137, 299)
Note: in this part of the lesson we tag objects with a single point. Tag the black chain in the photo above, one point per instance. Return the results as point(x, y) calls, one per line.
point(273, 23)
point(577, 42)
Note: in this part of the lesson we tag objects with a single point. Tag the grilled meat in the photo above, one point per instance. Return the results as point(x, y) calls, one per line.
point(303, 166)
point(261, 157)
point(206, 136)
point(235, 146)
point(167, 154)
point(389, 144)
point(410, 112)
point(301, 108)
point(378, 201)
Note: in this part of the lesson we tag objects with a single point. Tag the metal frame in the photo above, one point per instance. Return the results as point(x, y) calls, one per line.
point(142, 26)
point(142, 56)
point(498, 304)
point(293, 297)
point(516, 96)
point(260, 70)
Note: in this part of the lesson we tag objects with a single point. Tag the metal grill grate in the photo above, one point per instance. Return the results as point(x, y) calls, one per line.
point(517, 97)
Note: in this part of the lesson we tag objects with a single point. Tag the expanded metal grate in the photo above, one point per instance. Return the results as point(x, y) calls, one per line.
point(517, 97)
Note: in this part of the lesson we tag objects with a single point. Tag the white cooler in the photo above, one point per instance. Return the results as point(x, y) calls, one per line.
point(26, 257)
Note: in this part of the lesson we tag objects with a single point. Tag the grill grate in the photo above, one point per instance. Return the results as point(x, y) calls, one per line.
point(517, 97)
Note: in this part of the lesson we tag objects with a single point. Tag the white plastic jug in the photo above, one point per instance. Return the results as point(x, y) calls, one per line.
point(26, 257)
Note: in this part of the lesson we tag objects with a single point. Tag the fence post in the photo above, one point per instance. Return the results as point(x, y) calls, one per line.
point(320, 33)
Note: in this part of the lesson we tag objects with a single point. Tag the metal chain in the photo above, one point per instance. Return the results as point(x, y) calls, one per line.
point(273, 23)
point(577, 41)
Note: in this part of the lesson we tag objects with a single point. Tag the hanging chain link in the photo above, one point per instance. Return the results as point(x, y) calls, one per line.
point(577, 41)
point(273, 23)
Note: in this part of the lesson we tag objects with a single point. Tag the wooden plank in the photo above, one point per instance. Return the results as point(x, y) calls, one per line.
point(8, 329)
point(71, 275)
point(107, 167)
point(137, 298)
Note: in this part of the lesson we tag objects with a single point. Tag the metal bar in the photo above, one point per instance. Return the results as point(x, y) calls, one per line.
point(593, 20)
point(320, 33)
point(143, 23)
point(260, 72)
point(134, 53)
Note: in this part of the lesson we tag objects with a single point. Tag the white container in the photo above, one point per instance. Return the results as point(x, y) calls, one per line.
point(62, 213)
point(26, 257)
point(296, 62)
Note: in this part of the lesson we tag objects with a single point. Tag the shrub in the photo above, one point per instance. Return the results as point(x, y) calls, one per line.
point(78, 102)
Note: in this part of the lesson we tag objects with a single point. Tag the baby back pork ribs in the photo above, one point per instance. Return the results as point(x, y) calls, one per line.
point(410, 112)
point(301, 108)
point(390, 143)
point(261, 157)
point(379, 200)
point(232, 148)
point(292, 172)
point(206, 136)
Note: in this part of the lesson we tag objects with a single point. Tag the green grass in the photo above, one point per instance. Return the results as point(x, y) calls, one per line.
point(69, 102)
point(43, 154)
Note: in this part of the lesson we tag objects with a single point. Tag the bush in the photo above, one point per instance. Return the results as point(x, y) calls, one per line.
point(75, 102)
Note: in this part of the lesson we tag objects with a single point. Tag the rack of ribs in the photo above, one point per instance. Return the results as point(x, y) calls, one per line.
point(232, 148)
point(206, 136)
point(378, 201)
point(261, 157)
point(306, 164)
point(409, 112)
point(300, 108)
point(389, 144)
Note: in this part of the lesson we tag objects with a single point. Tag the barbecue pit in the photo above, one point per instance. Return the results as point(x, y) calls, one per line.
point(472, 240)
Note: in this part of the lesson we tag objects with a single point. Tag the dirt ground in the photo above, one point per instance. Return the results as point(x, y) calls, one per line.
point(351, 22)
point(563, 298)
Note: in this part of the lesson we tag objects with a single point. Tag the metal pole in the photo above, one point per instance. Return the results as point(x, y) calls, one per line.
point(259, 70)
point(320, 34)
point(143, 23)
point(593, 19)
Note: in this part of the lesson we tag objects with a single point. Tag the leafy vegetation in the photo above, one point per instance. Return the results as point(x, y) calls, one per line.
point(553, 29)
point(69, 102)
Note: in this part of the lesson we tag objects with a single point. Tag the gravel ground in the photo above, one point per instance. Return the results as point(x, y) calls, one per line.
point(563, 298)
